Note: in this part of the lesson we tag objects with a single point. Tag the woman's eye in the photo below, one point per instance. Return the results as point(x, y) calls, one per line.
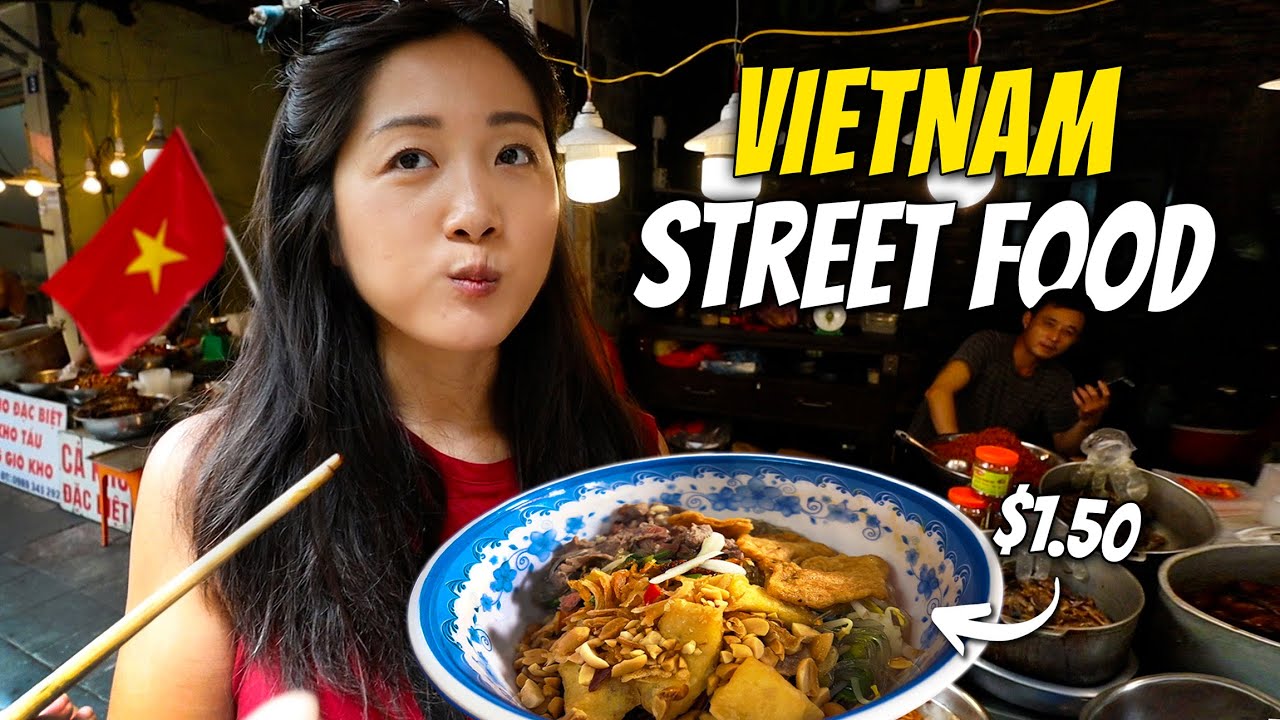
point(412, 160)
point(515, 155)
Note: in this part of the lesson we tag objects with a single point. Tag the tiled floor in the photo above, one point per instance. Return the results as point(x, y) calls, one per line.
point(59, 588)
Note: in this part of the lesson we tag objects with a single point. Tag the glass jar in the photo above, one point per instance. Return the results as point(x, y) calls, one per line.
point(971, 504)
point(993, 468)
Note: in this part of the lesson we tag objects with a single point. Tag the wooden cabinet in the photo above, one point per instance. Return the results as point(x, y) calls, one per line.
point(843, 392)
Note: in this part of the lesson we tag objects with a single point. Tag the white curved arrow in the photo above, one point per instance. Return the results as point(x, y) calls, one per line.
point(961, 621)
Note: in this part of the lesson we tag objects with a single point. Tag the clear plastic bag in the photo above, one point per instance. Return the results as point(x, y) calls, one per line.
point(1109, 470)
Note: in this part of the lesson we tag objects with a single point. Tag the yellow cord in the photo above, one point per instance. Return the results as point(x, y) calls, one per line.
point(578, 71)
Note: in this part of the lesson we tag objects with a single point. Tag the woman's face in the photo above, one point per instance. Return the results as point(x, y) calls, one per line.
point(446, 196)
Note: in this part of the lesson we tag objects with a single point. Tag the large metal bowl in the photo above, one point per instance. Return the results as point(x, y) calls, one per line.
point(1080, 657)
point(30, 349)
point(1180, 515)
point(40, 384)
point(958, 473)
point(1195, 640)
point(1043, 697)
point(118, 427)
point(1181, 695)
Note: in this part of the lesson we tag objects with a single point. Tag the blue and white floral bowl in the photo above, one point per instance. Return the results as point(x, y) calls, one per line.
point(473, 601)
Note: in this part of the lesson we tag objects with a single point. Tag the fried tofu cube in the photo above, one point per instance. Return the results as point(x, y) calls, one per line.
point(746, 597)
point(685, 622)
point(822, 582)
point(731, 528)
point(781, 548)
point(758, 692)
point(611, 701)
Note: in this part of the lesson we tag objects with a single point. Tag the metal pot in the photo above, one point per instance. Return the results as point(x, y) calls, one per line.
point(1180, 515)
point(1182, 695)
point(1197, 641)
point(1081, 657)
point(30, 349)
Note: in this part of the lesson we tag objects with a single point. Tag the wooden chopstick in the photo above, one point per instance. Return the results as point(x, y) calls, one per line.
point(38, 698)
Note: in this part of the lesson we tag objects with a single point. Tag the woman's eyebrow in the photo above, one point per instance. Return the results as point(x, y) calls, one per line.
point(506, 117)
point(433, 122)
point(426, 121)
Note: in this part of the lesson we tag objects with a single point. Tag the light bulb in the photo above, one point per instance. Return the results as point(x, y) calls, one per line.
point(957, 187)
point(33, 187)
point(155, 141)
point(4, 185)
point(719, 183)
point(718, 144)
point(591, 179)
point(119, 168)
point(149, 156)
point(91, 184)
point(591, 169)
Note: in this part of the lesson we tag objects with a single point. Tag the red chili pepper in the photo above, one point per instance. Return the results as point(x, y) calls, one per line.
point(652, 593)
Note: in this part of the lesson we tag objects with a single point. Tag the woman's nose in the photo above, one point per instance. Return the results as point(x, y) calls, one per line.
point(473, 213)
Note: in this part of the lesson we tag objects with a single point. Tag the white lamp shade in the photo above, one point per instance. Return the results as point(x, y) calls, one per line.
point(719, 183)
point(591, 171)
point(149, 156)
point(591, 177)
point(719, 144)
point(957, 187)
point(1271, 84)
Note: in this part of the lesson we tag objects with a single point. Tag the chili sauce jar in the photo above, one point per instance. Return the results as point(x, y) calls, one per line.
point(971, 504)
point(993, 468)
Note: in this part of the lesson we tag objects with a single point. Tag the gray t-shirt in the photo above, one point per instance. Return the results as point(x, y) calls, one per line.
point(997, 396)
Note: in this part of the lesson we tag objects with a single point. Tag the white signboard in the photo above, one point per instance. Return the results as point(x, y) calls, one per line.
point(79, 488)
point(29, 444)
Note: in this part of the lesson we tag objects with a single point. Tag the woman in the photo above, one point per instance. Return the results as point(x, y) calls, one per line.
point(419, 316)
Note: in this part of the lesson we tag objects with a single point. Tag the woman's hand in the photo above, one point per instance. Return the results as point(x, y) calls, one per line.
point(64, 709)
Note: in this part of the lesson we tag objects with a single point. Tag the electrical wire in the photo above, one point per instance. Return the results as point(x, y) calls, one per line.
point(581, 72)
point(586, 35)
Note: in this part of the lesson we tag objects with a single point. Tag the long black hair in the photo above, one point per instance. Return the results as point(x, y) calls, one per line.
point(323, 594)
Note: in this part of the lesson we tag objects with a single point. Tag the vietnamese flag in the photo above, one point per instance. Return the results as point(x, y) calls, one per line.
point(153, 254)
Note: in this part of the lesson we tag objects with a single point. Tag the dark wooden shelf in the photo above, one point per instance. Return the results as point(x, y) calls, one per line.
point(851, 342)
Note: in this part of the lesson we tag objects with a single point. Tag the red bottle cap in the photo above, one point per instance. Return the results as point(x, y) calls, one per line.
point(966, 497)
point(996, 455)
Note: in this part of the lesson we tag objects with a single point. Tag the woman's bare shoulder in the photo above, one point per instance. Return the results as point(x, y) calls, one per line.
point(177, 454)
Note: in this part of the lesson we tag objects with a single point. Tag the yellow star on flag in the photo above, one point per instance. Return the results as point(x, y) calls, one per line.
point(153, 255)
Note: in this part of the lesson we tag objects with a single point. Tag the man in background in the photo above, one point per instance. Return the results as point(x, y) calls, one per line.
point(997, 379)
point(13, 295)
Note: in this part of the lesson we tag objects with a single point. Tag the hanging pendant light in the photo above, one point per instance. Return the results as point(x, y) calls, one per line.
point(718, 144)
point(119, 167)
point(91, 184)
point(1271, 84)
point(33, 182)
point(155, 141)
point(591, 169)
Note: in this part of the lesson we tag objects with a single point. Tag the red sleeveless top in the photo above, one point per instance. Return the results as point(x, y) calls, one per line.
point(471, 489)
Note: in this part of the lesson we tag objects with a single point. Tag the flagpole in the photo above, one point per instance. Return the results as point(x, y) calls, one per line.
point(244, 264)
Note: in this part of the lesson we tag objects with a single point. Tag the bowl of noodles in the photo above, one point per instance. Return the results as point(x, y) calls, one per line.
point(729, 586)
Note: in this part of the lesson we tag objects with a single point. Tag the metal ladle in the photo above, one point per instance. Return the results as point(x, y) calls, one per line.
point(954, 465)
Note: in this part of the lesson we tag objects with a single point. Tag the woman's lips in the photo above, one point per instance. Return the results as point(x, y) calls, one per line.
point(475, 281)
